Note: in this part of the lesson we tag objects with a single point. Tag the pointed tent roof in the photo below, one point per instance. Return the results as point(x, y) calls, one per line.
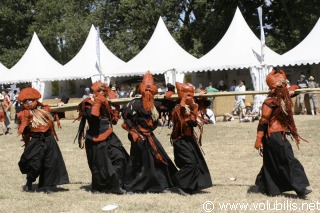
point(238, 48)
point(85, 63)
point(36, 63)
point(306, 52)
point(161, 53)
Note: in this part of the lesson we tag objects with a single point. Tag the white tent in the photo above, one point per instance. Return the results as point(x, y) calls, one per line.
point(3, 70)
point(306, 52)
point(239, 48)
point(162, 54)
point(36, 64)
point(86, 63)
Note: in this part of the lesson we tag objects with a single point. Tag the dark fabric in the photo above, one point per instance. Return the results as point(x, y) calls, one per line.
point(281, 171)
point(194, 174)
point(145, 173)
point(42, 157)
point(107, 162)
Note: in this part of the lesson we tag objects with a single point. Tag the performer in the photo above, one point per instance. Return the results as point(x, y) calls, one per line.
point(194, 174)
point(41, 156)
point(281, 171)
point(106, 156)
point(150, 168)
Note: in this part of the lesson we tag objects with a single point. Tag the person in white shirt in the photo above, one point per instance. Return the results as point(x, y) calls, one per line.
point(239, 99)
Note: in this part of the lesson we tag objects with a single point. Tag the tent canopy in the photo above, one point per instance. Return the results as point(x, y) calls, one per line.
point(86, 63)
point(306, 52)
point(162, 53)
point(35, 64)
point(239, 48)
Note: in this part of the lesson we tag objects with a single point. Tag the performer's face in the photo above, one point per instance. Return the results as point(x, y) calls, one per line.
point(281, 84)
point(30, 104)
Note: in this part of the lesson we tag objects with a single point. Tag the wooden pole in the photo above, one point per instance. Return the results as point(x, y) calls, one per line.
point(73, 106)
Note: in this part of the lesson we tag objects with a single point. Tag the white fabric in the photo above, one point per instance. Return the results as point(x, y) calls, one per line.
point(239, 48)
point(39, 85)
point(306, 52)
point(258, 76)
point(240, 89)
point(210, 114)
point(162, 53)
point(36, 63)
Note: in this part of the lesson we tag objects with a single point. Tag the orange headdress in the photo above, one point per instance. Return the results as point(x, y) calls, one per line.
point(100, 86)
point(276, 79)
point(29, 94)
point(148, 89)
point(185, 92)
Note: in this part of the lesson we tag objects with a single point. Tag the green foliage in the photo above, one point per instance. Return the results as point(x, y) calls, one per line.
point(127, 25)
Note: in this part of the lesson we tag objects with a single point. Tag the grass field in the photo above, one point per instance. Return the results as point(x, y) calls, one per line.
point(229, 153)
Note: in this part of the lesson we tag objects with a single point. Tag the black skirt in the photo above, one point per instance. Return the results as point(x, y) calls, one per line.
point(107, 162)
point(145, 173)
point(281, 171)
point(42, 157)
point(194, 174)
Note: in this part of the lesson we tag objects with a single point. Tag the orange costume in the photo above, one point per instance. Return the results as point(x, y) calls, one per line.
point(281, 171)
point(150, 168)
point(194, 174)
point(42, 156)
point(106, 156)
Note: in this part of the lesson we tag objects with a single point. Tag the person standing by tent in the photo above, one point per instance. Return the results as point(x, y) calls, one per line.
point(8, 104)
point(239, 99)
point(86, 94)
point(280, 171)
point(150, 168)
point(106, 156)
point(194, 174)
point(41, 157)
point(313, 97)
point(302, 83)
point(2, 114)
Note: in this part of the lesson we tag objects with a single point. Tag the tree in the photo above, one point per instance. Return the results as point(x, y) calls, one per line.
point(15, 18)
point(290, 22)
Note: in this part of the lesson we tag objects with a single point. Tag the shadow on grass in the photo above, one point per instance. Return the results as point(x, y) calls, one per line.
point(35, 188)
point(87, 188)
point(255, 190)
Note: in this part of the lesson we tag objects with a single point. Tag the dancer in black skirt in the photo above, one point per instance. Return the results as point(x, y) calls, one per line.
point(194, 174)
point(150, 168)
point(106, 156)
point(281, 171)
point(42, 156)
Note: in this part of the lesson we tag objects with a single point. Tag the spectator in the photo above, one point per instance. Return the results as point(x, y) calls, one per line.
point(87, 93)
point(7, 108)
point(234, 85)
point(132, 92)
point(211, 89)
point(222, 87)
point(302, 83)
point(313, 98)
point(239, 99)
point(199, 89)
point(123, 93)
point(16, 105)
point(2, 114)
point(247, 115)
point(113, 93)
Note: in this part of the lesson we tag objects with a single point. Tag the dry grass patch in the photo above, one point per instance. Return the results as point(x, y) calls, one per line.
point(229, 152)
